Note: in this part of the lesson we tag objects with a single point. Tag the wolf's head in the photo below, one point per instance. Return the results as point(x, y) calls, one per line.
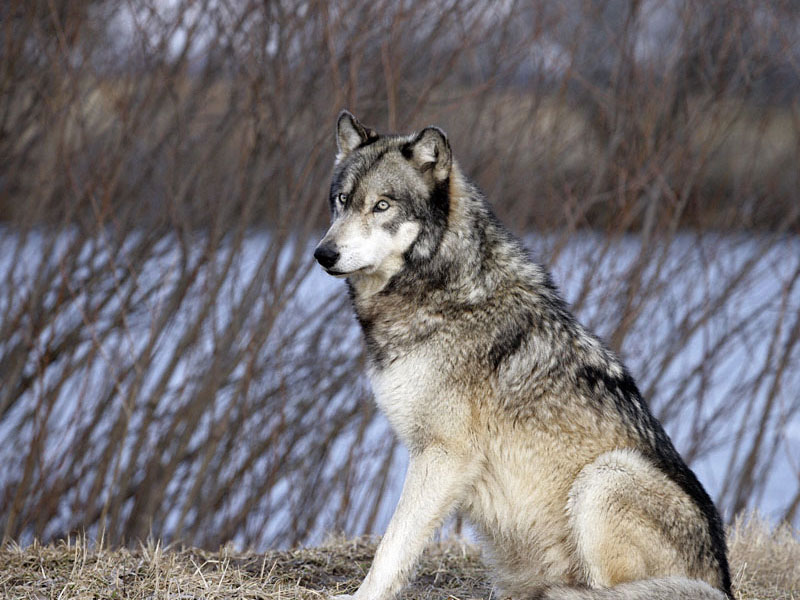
point(389, 201)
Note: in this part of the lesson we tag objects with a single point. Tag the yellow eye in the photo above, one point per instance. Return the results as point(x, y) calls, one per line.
point(341, 199)
point(381, 206)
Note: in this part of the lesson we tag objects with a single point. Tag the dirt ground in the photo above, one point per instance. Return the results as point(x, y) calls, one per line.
point(765, 564)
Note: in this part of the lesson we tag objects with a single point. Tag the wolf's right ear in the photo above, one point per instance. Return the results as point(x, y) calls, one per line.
point(430, 152)
point(350, 134)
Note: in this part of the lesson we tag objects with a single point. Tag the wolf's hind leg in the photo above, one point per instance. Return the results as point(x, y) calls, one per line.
point(627, 518)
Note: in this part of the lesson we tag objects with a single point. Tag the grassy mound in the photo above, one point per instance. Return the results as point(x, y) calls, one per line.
point(765, 564)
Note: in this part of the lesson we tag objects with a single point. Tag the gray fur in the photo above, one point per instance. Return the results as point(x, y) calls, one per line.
point(512, 412)
point(667, 588)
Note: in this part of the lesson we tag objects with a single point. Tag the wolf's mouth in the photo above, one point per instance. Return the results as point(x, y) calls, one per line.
point(344, 273)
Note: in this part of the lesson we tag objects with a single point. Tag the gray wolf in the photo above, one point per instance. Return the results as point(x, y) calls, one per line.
point(512, 412)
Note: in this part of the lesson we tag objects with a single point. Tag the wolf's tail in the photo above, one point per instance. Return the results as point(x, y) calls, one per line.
point(667, 588)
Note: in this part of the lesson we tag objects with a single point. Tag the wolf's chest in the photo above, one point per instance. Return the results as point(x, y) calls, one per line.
point(409, 391)
point(399, 386)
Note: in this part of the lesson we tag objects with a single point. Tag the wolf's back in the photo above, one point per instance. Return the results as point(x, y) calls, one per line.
point(666, 588)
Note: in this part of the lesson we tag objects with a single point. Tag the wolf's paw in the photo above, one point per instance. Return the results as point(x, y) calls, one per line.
point(341, 597)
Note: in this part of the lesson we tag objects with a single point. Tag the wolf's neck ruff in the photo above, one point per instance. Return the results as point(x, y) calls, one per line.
point(511, 410)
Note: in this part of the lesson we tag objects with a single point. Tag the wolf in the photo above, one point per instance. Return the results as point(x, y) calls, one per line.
point(512, 412)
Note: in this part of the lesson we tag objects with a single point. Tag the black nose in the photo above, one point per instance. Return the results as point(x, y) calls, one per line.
point(326, 255)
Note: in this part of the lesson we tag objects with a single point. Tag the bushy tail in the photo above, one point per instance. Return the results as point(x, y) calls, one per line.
point(667, 588)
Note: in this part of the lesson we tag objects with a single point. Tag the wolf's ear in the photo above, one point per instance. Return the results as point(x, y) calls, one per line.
point(350, 134)
point(430, 151)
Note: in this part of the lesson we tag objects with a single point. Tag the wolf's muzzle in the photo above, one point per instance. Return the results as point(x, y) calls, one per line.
point(326, 255)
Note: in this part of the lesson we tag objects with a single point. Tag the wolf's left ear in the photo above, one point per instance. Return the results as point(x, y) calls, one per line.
point(430, 151)
point(350, 134)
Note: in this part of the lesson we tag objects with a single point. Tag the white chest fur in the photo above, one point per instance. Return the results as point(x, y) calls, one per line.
point(403, 391)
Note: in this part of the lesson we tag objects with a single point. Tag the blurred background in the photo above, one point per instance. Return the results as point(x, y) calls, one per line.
point(172, 363)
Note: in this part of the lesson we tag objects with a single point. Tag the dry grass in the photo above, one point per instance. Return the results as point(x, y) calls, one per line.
point(72, 570)
point(765, 564)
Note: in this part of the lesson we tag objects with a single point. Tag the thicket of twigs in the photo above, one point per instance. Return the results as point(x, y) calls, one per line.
point(168, 365)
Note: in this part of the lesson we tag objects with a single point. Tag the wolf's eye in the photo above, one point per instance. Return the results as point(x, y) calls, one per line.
point(380, 206)
point(341, 199)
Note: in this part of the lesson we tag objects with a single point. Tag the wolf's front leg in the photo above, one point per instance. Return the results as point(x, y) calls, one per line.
point(434, 484)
